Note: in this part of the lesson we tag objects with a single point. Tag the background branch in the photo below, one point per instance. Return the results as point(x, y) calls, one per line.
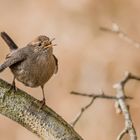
point(121, 105)
point(117, 30)
point(24, 109)
point(120, 93)
point(83, 109)
point(93, 96)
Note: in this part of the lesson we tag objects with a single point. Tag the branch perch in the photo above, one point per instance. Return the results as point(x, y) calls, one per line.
point(23, 108)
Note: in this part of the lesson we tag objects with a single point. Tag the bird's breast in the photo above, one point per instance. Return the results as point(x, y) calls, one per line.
point(34, 72)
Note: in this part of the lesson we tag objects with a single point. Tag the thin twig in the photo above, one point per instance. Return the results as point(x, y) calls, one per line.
point(116, 30)
point(120, 99)
point(120, 136)
point(93, 96)
point(100, 95)
point(83, 109)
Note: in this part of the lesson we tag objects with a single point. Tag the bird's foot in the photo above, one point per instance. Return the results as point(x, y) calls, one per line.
point(12, 88)
point(42, 103)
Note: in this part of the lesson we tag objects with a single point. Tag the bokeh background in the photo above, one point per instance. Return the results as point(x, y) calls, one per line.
point(89, 59)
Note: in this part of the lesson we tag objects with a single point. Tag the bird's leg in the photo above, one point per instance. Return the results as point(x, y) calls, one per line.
point(13, 86)
point(43, 100)
point(11, 44)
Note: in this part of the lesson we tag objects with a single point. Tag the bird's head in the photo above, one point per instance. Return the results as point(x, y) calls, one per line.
point(43, 41)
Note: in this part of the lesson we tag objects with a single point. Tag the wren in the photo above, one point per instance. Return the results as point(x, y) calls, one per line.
point(32, 65)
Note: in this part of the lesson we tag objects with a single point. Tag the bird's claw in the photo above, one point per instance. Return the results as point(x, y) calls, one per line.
point(42, 103)
point(12, 88)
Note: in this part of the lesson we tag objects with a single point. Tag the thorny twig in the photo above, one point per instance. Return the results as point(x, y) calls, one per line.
point(116, 30)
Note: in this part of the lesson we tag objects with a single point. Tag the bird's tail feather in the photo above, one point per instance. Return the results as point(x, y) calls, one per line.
point(12, 45)
point(2, 67)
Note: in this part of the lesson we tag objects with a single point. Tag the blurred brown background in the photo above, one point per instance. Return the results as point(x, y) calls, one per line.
point(89, 59)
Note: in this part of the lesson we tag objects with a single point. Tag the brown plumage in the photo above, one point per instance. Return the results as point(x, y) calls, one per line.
point(34, 64)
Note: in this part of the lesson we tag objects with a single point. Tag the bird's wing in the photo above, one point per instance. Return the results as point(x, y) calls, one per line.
point(13, 58)
point(11, 44)
point(56, 62)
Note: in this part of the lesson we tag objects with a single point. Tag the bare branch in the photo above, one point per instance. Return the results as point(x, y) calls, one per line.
point(93, 96)
point(116, 30)
point(120, 94)
point(24, 109)
point(100, 95)
point(121, 105)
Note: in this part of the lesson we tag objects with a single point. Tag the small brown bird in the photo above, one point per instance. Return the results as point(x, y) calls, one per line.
point(34, 64)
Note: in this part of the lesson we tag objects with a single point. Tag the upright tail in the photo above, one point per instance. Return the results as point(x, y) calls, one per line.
point(12, 45)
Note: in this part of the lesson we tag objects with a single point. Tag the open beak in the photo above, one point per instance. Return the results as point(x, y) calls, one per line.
point(52, 40)
point(51, 45)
